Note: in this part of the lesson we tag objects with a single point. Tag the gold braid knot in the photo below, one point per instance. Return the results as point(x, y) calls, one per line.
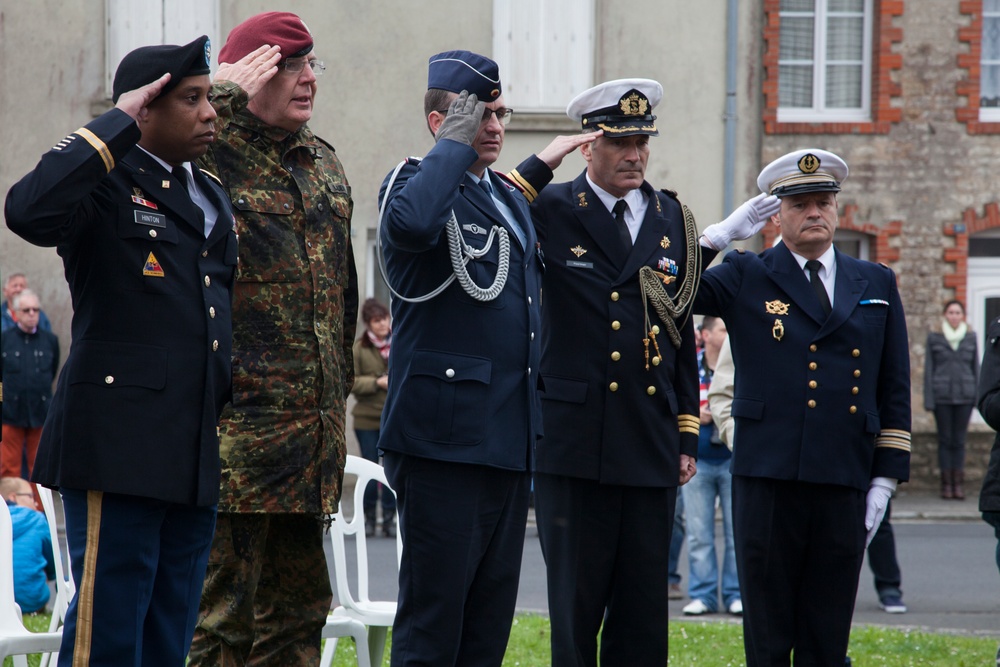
point(670, 309)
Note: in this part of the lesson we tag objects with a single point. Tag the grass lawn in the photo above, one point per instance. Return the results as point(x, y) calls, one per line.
point(720, 644)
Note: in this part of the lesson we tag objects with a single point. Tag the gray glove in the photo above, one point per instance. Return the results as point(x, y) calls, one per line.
point(465, 115)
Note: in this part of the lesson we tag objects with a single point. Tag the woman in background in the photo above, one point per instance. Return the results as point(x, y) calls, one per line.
point(951, 373)
point(371, 366)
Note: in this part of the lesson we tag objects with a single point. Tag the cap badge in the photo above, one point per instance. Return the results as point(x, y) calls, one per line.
point(634, 104)
point(579, 251)
point(775, 307)
point(208, 52)
point(808, 163)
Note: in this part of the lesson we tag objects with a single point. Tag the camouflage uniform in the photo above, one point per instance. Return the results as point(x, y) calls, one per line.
point(282, 440)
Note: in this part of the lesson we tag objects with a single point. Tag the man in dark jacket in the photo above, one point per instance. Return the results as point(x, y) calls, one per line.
point(130, 441)
point(31, 357)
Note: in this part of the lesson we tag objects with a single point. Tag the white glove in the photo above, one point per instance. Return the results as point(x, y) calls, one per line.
point(879, 493)
point(744, 222)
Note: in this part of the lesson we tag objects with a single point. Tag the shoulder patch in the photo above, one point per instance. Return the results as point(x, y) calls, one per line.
point(212, 176)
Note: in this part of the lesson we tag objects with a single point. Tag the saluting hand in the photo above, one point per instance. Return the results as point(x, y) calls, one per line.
point(134, 101)
point(253, 70)
point(465, 115)
point(553, 154)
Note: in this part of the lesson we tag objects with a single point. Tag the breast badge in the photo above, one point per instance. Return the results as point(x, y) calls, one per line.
point(152, 267)
point(664, 243)
point(579, 251)
point(776, 307)
point(778, 330)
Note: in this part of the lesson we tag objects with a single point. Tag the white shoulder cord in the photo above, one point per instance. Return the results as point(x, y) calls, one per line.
point(460, 252)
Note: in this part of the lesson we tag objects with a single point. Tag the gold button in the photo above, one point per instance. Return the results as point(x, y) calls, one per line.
point(614, 296)
point(152, 233)
point(812, 365)
point(650, 390)
point(857, 373)
point(854, 390)
point(811, 403)
point(211, 312)
point(616, 355)
point(208, 281)
point(855, 352)
point(813, 384)
point(109, 379)
point(812, 348)
point(215, 346)
point(613, 386)
point(656, 329)
point(616, 325)
point(656, 361)
point(853, 409)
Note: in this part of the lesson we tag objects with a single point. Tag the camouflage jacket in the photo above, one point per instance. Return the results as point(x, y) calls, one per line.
point(295, 309)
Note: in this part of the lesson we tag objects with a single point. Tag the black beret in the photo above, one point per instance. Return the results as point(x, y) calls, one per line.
point(148, 63)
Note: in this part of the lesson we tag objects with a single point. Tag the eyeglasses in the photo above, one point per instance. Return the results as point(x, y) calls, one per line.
point(503, 115)
point(31, 310)
point(29, 495)
point(296, 65)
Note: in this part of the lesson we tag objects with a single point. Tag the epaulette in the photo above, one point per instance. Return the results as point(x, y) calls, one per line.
point(212, 176)
point(412, 160)
point(670, 193)
point(740, 251)
point(325, 143)
point(509, 180)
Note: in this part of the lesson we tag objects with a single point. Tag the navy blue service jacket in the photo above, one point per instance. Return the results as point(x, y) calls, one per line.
point(462, 373)
point(149, 370)
point(817, 399)
point(606, 416)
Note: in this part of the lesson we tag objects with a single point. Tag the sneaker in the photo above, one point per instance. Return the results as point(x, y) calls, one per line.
point(892, 604)
point(736, 607)
point(696, 608)
point(675, 592)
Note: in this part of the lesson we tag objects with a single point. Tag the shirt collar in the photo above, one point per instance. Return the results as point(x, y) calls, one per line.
point(633, 197)
point(827, 259)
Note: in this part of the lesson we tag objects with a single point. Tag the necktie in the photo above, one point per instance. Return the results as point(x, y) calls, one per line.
point(813, 266)
point(486, 187)
point(623, 233)
point(181, 174)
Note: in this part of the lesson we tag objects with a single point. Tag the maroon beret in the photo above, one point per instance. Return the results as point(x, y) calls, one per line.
point(282, 28)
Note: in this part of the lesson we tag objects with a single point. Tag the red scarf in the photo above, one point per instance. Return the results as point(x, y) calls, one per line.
point(381, 344)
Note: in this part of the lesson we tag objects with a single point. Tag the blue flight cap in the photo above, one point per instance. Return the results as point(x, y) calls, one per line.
point(456, 71)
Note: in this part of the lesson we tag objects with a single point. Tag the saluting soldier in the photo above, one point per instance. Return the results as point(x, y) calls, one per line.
point(130, 440)
point(822, 410)
point(619, 381)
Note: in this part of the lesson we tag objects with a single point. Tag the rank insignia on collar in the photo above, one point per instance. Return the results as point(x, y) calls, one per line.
point(579, 251)
point(665, 243)
point(152, 267)
point(165, 185)
point(582, 199)
point(775, 307)
point(143, 202)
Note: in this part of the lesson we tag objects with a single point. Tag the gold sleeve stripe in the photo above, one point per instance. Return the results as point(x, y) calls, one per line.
point(529, 192)
point(85, 596)
point(893, 438)
point(688, 424)
point(99, 146)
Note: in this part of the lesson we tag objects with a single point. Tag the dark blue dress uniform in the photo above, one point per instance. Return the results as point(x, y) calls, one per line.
point(822, 406)
point(615, 422)
point(130, 439)
point(462, 412)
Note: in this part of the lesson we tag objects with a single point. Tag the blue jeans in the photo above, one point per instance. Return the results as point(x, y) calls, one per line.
point(713, 480)
point(368, 444)
point(676, 540)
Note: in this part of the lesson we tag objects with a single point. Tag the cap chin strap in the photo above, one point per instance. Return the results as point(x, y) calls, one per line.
point(460, 253)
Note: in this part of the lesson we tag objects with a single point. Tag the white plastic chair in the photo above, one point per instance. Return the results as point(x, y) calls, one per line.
point(376, 615)
point(15, 639)
point(343, 626)
point(65, 587)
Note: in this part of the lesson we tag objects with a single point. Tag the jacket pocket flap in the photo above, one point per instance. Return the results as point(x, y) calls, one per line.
point(748, 407)
point(564, 389)
point(118, 364)
point(273, 202)
point(451, 367)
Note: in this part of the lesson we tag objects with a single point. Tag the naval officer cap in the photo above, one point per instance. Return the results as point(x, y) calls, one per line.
point(621, 107)
point(148, 63)
point(801, 171)
point(283, 29)
point(456, 71)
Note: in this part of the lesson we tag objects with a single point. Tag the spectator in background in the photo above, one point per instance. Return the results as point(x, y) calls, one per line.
point(371, 381)
point(31, 357)
point(950, 376)
point(15, 283)
point(33, 560)
point(712, 481)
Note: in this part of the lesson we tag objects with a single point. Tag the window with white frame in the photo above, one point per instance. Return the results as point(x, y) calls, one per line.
point(825, 61)
point(545, 51)
point(989, 82)
point(855, 244)
point(135, 23)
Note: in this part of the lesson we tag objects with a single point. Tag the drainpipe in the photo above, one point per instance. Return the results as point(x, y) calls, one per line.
point(728, 162)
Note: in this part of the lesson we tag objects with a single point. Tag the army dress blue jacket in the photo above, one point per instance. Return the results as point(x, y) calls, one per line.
point(821, 399)
point(607, 417)
point(137, 403)
point(462, 373)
